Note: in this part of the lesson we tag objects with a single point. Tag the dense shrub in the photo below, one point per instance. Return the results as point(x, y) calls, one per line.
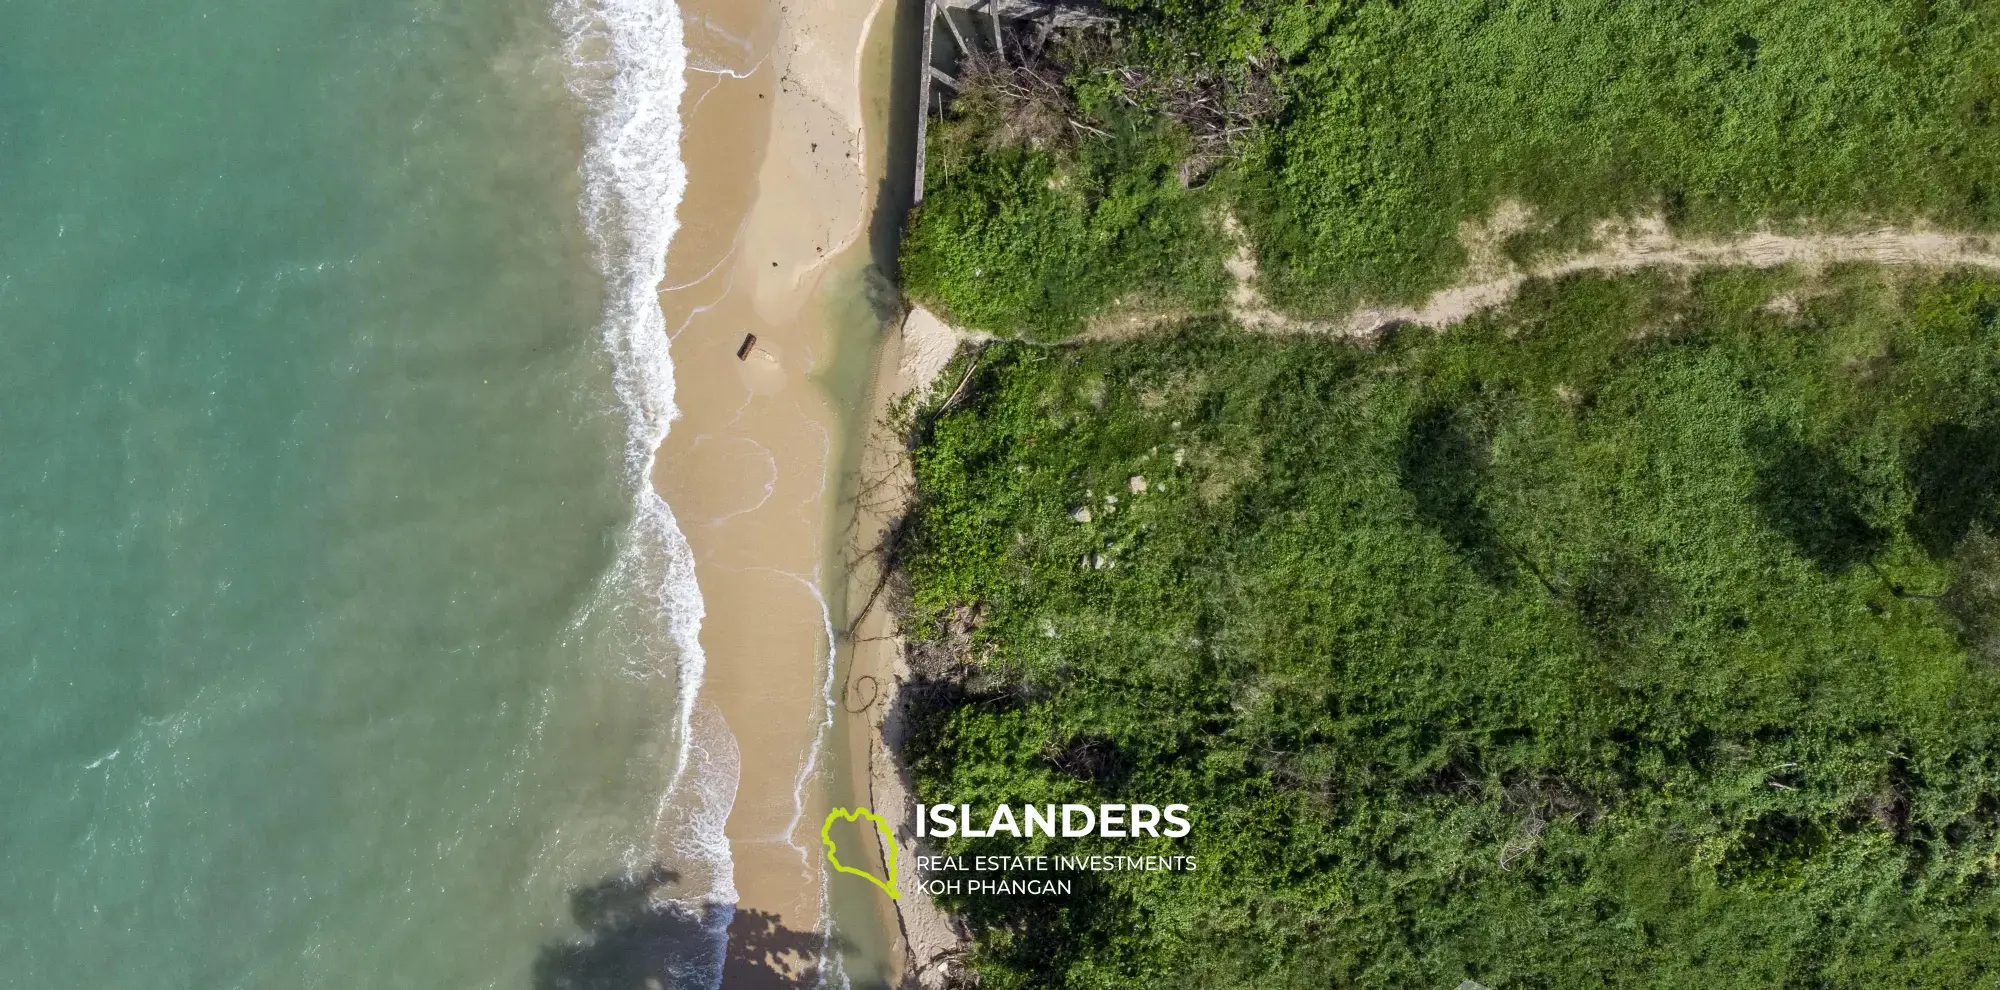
point(1031, 241)
point(1619, 638)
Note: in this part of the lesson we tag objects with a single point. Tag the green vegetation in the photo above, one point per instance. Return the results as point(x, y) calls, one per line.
point(1032, 242)
point(1399, 121)
point(1640, 634)
point(1645, 633)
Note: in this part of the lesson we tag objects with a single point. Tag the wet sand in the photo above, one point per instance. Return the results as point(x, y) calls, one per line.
point(771, 243)
point(929, 949)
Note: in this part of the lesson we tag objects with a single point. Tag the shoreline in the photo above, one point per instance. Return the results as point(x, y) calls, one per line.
point(795, 130)
point(772, 242)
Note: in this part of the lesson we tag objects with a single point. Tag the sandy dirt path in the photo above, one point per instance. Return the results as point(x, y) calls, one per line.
point(1642, 244)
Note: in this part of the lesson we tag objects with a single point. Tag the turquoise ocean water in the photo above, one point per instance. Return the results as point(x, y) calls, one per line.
point(339, 644)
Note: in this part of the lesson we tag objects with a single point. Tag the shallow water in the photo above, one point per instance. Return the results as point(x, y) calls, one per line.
point(336, 642)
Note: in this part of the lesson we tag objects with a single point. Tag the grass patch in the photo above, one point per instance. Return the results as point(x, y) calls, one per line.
point(1397, 122)
point(1027, 241)
point(1633, 635)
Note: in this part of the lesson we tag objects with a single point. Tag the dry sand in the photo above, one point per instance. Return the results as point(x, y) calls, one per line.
point(776, 194)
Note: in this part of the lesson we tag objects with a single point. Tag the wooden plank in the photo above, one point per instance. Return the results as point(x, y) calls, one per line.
point(924, 94)
point(964, 49)
point(999, 39)
point(944, 77)
point(1061, 13)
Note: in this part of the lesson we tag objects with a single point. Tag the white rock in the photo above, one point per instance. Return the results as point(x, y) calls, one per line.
point(1137, 484)
point(1080, 514)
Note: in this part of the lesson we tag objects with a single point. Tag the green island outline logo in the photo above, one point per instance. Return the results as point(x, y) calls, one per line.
point(826, 838)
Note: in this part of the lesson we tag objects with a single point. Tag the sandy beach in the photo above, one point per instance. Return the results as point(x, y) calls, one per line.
point(772, 243)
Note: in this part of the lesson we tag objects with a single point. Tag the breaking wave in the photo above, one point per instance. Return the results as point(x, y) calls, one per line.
point(627, 63)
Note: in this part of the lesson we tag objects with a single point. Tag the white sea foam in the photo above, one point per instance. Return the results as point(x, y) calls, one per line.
point(627, 65)
point(832, 969)
point(695, 815)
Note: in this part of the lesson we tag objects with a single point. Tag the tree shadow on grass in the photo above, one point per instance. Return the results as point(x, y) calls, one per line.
point(1956, 472)
point(1805, 493)
point(1620, 600)
point(635, 938)
point(1442, 465)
